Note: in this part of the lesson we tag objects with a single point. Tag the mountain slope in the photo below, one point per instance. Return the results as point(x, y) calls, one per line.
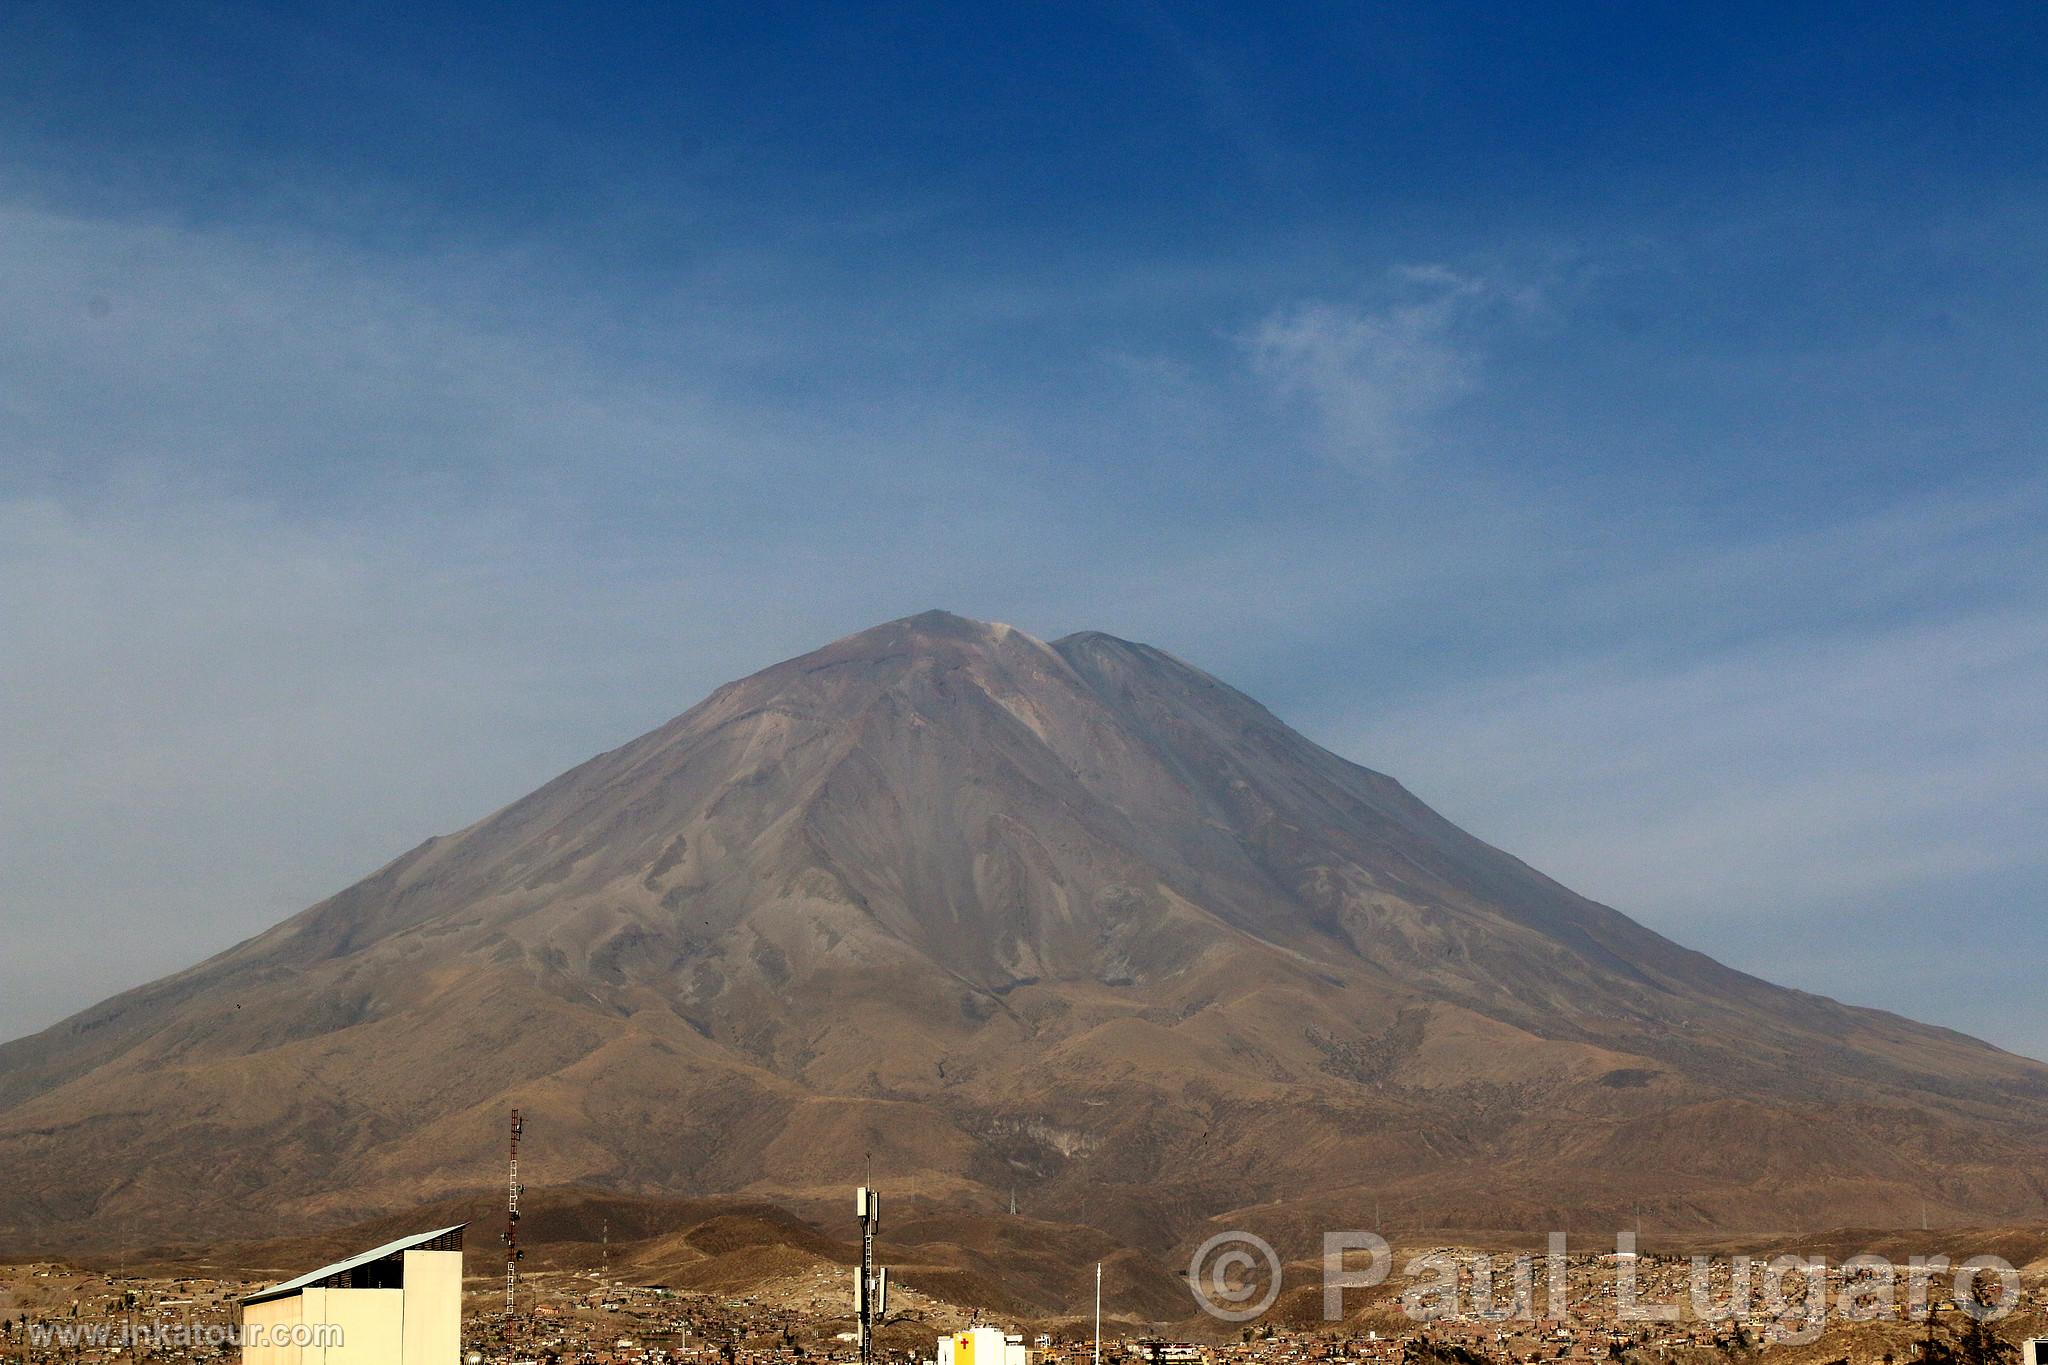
point(1075, 918)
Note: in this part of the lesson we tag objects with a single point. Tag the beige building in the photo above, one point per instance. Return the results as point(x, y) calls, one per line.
point(400, 1304)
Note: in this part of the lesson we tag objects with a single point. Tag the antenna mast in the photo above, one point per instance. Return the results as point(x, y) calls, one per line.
point(513, 1254)
point(1098, 1313)
point(871, 1286)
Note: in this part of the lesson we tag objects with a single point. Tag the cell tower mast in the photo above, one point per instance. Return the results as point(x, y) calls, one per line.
point(513, 1255)
point(870, 1286)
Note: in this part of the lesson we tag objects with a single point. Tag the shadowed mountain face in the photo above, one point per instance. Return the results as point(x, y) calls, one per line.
point(1072, 918)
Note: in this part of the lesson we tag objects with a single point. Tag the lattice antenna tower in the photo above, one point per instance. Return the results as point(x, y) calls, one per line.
point(513, 1189)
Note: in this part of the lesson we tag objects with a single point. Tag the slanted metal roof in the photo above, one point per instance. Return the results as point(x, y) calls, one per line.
point(313, 1277)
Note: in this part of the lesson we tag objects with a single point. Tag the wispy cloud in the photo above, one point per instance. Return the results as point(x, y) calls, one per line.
point(1373, 378)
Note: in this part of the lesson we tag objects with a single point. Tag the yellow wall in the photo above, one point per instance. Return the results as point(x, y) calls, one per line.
point(418, 1325)
point(267, 1316)
point(313, 1309)
point(372, 1323)
point(433, 1307)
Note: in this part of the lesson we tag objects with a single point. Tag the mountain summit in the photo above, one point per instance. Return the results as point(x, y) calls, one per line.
point(1071, 917)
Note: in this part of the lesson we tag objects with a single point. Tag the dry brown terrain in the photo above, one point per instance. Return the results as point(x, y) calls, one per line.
point(1017, 1266)
point(735, 1269)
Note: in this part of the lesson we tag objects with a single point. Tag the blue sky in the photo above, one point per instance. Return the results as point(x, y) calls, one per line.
point(1623, 423)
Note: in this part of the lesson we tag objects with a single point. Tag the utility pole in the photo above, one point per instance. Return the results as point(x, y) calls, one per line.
point(871, 1286)
point(513, 1254)
point(1098, 1313)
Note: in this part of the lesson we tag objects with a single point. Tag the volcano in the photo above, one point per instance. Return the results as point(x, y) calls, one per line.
point(1072, 920)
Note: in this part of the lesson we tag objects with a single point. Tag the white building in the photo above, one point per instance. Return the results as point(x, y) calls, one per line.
point(986, 1346)
point(400, 1304)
